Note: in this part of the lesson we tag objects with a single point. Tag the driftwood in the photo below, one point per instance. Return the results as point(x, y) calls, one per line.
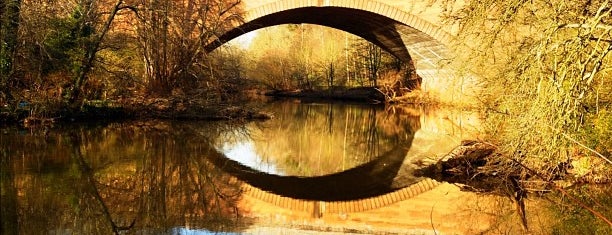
point(467, 164)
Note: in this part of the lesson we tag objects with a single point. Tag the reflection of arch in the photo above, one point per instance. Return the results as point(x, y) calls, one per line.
point(404, 35)
point(372, 179)
point(368, 180)
point(342, 206)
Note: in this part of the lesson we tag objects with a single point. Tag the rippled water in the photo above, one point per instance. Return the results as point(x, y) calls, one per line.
point(186, 177)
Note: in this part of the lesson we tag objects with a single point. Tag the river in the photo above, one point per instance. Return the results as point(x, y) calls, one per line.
point(313, 168)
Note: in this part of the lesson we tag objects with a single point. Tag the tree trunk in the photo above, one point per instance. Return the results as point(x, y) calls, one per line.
point(74, 94)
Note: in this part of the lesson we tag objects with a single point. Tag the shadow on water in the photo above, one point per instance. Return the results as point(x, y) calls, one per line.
point(368, 180)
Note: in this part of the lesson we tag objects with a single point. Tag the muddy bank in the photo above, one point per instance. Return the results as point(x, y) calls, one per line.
point(362, 94)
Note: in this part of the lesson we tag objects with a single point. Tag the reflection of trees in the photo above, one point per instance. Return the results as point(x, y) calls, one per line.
point(390, 131)
point(187, 188)
point(8, 193)
point(138, 177)
point(319, 139)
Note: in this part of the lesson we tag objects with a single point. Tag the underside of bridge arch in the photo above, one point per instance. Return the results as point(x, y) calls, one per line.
point(405, 36)
point(370, 26)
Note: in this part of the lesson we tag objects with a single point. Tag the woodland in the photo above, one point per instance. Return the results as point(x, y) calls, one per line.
point(116, 58)
point(545, 70)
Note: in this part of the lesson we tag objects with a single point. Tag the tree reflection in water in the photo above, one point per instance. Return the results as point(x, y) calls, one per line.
point(143, 177)
point(314, 139)
point(389, 132)
point(152, 177)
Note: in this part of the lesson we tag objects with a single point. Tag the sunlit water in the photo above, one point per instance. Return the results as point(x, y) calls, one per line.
point(152, 177)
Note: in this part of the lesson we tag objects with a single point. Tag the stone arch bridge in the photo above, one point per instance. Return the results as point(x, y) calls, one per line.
point(406, 31)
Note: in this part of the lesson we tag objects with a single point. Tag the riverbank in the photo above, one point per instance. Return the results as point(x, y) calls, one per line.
point(128, 109)
point(192, 108)
point(195, 106)
point(360, 94)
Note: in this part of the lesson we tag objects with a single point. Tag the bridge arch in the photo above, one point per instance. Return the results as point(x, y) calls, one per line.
point(402, 34)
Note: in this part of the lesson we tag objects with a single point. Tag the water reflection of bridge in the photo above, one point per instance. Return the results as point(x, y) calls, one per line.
point(385, 180)
point(370, 186)
point(320, 207)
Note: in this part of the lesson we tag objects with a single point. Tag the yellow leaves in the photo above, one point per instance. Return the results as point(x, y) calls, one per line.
point(584, 166)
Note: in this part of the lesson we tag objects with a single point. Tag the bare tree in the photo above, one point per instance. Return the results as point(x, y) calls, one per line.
point(369, 61)
point(172, 35)
point(373, 58)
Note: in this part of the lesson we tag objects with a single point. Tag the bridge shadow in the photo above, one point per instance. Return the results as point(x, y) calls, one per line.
point(375, 178)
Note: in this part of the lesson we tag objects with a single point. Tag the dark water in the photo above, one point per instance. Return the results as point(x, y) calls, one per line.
point(184, 177)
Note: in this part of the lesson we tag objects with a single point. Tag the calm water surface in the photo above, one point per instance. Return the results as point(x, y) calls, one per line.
point(187, 177)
